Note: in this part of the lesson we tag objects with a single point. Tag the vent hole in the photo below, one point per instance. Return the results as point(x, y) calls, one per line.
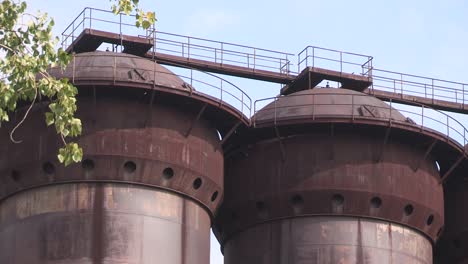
point(297, 200)
point(430, 219)
point(87, 165)
point(130, 166)
point(15, 175)
point(214, 196)
point(376, 202)
point(168, 173)
point(337, 200)
point(197, 183)
point(48, 168)
point(260, 206)
point(409, 209)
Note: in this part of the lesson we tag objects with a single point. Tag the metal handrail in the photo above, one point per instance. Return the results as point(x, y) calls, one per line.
point(363, 62)
point(409, 84)
point(89, 15)
point(420, 117)
point(224, 52)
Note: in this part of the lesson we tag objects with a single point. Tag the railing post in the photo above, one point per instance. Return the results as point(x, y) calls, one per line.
point(188, 47)
point(432, 80)
point(352, 106)
point(463, 93)
point(242, 103)
point(313, 57)
point(90, 18)
point(341, 61)
point(422, 117)
point(222, 53)
point(221, 93)
point(448, 128)
point(299, 61)
point(254, 62)
point(401, 84)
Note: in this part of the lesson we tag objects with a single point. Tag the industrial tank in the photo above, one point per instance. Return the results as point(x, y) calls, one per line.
point(330, 176)
point(150, 181)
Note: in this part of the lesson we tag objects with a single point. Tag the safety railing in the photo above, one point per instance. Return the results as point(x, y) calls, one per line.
point(195, 82)
point(99, 19)
point(355, 107)
point(413, 85)
point(336, 60)
point(222, 53)
point(229, 54)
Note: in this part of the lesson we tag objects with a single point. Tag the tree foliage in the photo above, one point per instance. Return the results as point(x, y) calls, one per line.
point(143, 19)
point(26, 52)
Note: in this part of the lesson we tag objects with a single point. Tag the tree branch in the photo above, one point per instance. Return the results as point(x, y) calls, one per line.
point(24, 118)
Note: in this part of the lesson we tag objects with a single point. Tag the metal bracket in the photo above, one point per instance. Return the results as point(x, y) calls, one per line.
point(387, 135)
point(229, 133)
point(283, 152)
point(449, 172)
point(192, 124)
point(426, 154)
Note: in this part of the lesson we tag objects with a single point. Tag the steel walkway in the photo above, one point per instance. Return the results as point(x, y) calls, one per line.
point(314, 64)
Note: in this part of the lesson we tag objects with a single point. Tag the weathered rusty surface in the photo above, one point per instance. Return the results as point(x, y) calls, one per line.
point(145, 191)
point(324, 103)
point(102, 223)
point(307, 174)
point(319, 240)
point(125, 142)
point(453, 245)
point(332, 174)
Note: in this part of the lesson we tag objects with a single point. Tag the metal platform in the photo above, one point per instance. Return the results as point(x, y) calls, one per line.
point(90, 40)
point(310, 77)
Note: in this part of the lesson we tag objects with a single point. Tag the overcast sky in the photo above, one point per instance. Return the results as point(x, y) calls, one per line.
point(426, 38)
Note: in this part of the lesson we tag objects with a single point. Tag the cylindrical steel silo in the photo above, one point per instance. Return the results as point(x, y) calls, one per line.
point(150, 181)
point(330, 176)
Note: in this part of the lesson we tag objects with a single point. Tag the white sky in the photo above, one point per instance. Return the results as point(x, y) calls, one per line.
point(419, 37)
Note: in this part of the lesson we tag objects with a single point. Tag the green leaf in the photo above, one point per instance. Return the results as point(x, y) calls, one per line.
point(49, 118)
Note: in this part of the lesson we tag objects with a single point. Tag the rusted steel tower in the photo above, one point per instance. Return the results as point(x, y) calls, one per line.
point(332, 176)
point(149, 184)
